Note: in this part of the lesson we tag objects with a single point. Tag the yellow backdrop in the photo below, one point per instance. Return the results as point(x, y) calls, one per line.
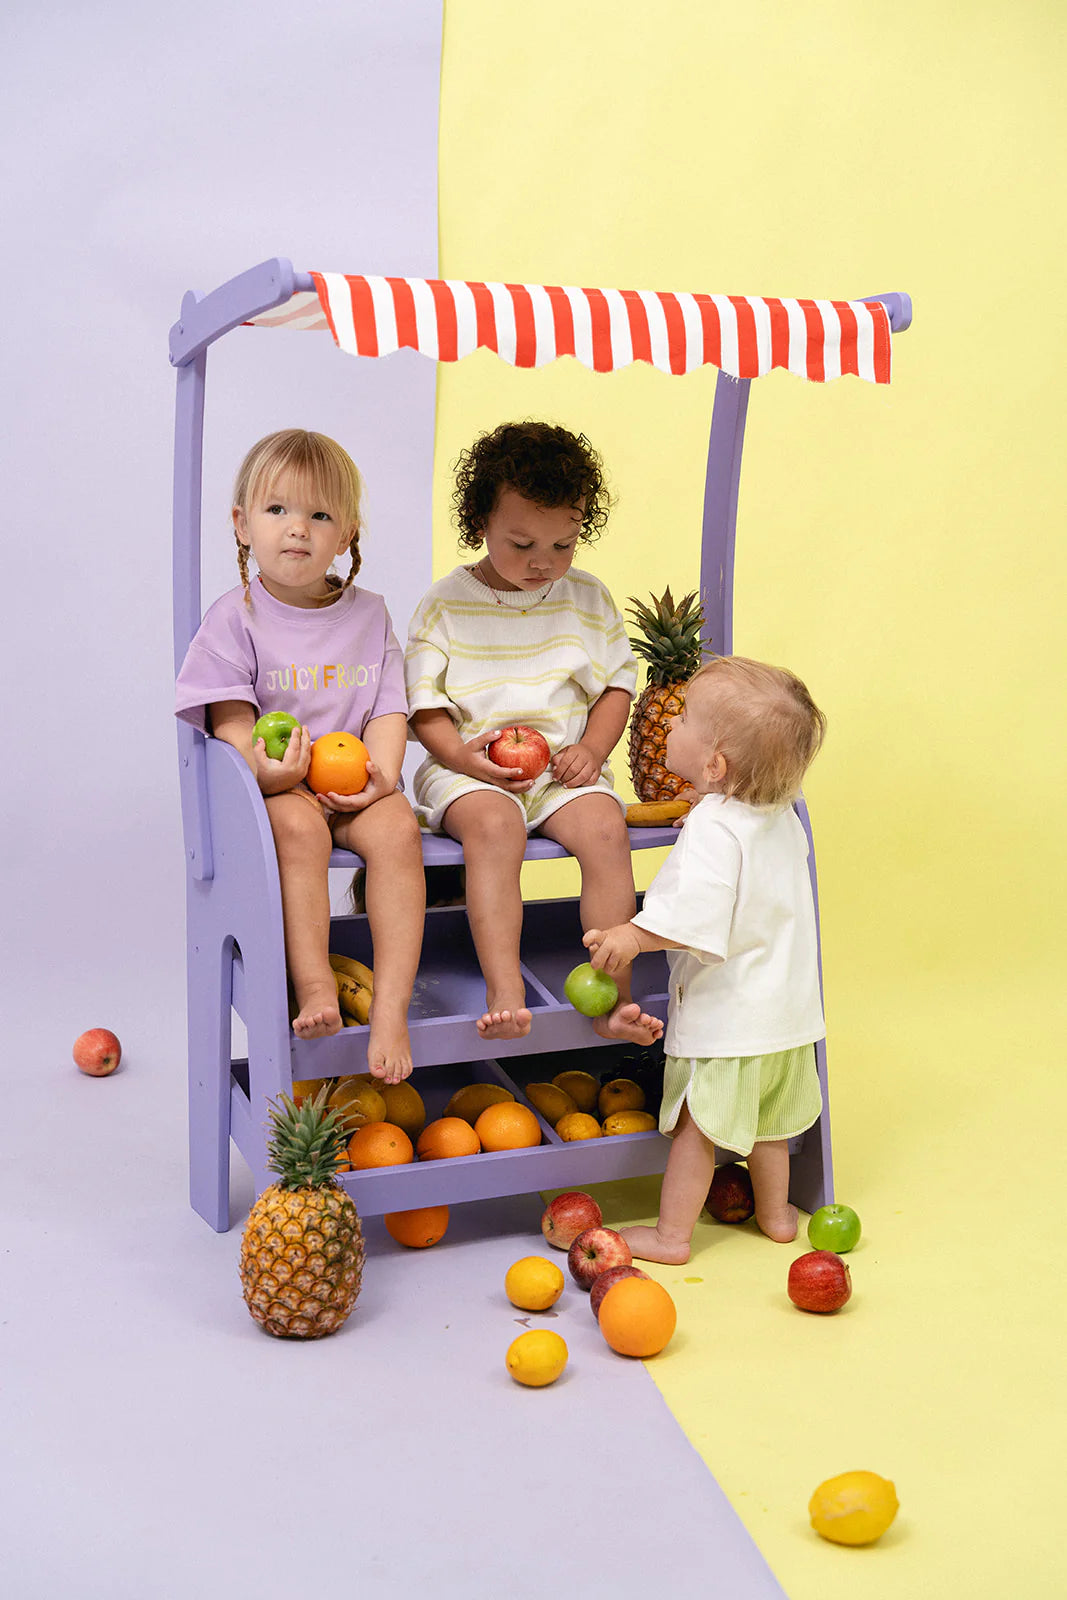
point(903, 550)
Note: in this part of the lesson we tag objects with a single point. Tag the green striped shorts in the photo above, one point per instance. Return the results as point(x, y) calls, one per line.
point(739, 1101)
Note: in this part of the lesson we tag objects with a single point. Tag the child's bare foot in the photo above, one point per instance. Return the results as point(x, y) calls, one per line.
point(389, 1046)
point(505, 1024)
point(628, 1022)
point(319, 1015)
point(646, 1245)
point(780, 1225)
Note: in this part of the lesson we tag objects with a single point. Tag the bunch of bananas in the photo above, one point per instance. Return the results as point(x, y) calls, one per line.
point(655, 813)
point(355, 989)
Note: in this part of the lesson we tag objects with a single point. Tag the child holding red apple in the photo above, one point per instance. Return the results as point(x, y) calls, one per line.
point(732, 906)
point(298, 639)
point(521, 640)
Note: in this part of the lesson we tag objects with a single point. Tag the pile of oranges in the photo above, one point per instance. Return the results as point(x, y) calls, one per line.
point(503, 1126)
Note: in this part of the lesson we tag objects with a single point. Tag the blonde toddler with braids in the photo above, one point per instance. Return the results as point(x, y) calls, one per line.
point(297, 638)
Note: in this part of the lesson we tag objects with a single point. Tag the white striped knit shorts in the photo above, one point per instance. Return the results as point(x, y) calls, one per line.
point(739, 1101)
point(436, 787)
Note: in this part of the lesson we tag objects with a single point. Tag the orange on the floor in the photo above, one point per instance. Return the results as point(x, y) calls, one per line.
point(419, 1228)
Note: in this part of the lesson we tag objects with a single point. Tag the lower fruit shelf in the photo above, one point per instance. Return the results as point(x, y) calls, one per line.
point(449, 996)
point(553, 1164)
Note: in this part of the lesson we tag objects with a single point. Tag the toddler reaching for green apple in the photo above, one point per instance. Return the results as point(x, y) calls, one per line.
point(733, 908)
point(298, 640)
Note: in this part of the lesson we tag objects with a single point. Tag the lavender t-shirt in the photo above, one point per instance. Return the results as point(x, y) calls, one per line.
point(333, 669)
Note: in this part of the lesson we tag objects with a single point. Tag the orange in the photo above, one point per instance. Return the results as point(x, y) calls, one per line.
point(621, 1094)
point(578, 1125)
point(446, 1138)
point(637, 1317)
point(417, 1229)
point(508, 1126)
point(379, 1144)
point(338, 764)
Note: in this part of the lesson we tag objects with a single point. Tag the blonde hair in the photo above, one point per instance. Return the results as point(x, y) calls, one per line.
point(328, 472)
point(764, 723)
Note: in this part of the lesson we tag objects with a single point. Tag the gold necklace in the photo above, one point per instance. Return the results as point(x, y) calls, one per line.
point(522, 609)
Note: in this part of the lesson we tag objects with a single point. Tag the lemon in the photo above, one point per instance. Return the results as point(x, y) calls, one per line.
point(582, 1087)
point(552, 1101)
point(853, 1508)
point(578, 1125)
point(536, 1358)
point(533, 1284)
point(404, 1106)
point(629, 1122)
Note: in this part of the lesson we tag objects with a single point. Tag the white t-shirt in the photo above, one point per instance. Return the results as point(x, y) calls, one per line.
point(735, 890)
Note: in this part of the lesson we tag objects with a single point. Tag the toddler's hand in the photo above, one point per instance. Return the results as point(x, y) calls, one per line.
point(375, 788)
point(575, 766)
point(612, 949)
point(478, 765)
point(277, 777)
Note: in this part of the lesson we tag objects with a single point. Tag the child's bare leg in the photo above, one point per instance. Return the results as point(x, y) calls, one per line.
point(386, 835)
point(690, 1169)
point(591, 827)
point(491, 829)
point(768, 1165)
point(303, 844)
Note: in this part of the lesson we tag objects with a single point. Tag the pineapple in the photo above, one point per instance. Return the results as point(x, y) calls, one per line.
point(302, 1251)
point(669, 641)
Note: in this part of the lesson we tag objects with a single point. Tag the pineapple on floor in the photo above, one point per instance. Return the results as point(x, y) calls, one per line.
point(669, 641)
point(302, 1250)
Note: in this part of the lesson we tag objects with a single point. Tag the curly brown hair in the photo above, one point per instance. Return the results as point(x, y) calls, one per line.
point(545, 464)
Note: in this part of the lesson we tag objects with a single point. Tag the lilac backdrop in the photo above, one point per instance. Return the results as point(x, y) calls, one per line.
point(154, 150)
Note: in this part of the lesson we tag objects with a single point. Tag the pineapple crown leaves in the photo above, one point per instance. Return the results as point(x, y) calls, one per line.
point(669, 640)
point(305, 1141)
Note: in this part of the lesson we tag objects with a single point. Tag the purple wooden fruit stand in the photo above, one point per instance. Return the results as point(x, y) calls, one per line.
point(236, 953)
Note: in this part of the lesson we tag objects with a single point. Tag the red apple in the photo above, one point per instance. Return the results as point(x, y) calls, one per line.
point(567, 1216)
point(594, 1251)
point(604, 1281)
point(819, 1281)
point(730, 1197)
point(521, 747)
point(97, 1052)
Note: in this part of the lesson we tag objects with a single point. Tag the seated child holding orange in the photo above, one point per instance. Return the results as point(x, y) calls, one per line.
point(299, 639)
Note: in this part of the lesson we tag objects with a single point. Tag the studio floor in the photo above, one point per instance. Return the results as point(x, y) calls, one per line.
point(158, 1444)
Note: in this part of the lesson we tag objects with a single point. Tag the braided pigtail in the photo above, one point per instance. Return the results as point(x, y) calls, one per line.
point(242, 567)
point(357, 561)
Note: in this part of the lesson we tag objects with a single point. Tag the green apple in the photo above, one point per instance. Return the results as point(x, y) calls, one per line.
point(835, 1228)
point(591, 992)
point(275, 728)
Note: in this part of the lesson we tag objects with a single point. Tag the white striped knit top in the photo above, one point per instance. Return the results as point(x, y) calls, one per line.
point(493, 657)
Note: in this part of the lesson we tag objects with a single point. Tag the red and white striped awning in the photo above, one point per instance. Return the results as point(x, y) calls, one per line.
point(529, 324)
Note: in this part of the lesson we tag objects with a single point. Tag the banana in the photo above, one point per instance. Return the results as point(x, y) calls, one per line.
point(354, 1000)
point(654, 813)
point(354, 970)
